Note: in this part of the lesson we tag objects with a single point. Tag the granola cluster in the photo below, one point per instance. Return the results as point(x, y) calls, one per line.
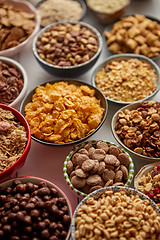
point(15, 25)
point(13, 139)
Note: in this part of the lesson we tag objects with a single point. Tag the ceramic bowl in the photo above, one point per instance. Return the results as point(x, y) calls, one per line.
point(12, 63)
point(76, 148)
point(104, 15)
point(29, 8)
point(11, 171)
point(81, 2)
point(98, 96)
point(117, 138)
point(125, 57)
point(108, 208)
point(73, 70)
point(37, 181)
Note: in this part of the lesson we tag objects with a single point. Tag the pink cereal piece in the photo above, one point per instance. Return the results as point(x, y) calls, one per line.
point(4, 125)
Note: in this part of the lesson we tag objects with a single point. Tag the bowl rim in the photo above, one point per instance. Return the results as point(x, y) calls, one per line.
point(128, 56)
point(97, 193)
point(114, 120)
point(99, 38)
point(23, 121)
point(24, 75)
point(81, 145)
point(82, 3)
point(11, 51)
point(107, 13)
point(71, 81)
point(34, 179)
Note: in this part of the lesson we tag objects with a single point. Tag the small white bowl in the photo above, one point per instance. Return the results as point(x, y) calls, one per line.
point(29, 8)
point(20, 68)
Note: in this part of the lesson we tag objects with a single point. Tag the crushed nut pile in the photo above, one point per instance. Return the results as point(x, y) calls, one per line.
point(139, 129)
point(13, 139)
point(98, 165)
point(67, 44)
point(135, 34)
point(117, 215)
point(15, 25)
point(149, 184)
point(127, 80)
point(59, 10)
point(11, 82)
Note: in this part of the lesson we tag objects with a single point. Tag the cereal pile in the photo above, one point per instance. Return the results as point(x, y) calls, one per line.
point(139, 129)
point(135, 34)
point(149, 184)
point(32, 211)
point(59, 10)
point(11, 83)
point(98, 165)
point(15, 25)
point(67, 44)
point(13, 139)
point(117, 215)
point(107, 6)
point(127, 80)
point(63, 112)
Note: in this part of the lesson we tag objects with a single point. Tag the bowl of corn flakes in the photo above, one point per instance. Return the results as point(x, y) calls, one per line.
point(136, 128)
point(106, 214)
point(95, 164)
point(127, 78)
point(64, 112)
point(15, 141)
point(20, 21)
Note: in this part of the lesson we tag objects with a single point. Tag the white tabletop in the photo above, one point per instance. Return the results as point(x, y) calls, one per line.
point(47, 161)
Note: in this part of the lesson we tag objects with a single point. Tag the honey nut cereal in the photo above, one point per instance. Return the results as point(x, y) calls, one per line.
point(139, 129)
point(59, 10)
point(135, 34)
point(13, 139)
point(16, 25)
point(117, 215)
point(126, 80)
point(149, 184)
point(63, 112)
point(98, 165)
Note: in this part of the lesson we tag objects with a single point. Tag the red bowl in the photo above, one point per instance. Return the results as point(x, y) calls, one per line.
point(10, 172)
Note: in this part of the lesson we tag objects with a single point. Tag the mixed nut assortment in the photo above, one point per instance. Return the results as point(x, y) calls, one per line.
point(139, 129)
point(67, 44)
point(32, 211)
point(11, 82)
point(98, 165)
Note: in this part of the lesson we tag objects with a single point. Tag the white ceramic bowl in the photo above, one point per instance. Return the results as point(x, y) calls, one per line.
point(27, 7)
point(20, 68)
point(37, 180)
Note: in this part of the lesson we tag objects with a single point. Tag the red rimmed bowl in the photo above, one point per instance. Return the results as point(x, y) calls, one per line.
point(10, 171)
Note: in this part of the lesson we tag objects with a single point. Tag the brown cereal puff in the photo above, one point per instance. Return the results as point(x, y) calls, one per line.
point(118, 176)
point(83, 151)
point(95, 167)
point(109, 183)
point(102, 145)
point(78, 182)
point(113, 150)
point(79, 172)
point(125, 172)
point(118, 184)
point(111, 160)
point(88, 146)
point(91, 151)
point(87, 165)
point(69, 167)
point(93, 180)
point(123, 158)
point(101, 168)
point(108, 174)
point(99, 154)
point(80, 158)
point(92, 189)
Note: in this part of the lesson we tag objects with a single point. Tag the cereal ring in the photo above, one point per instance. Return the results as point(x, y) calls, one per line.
point(78, 182)
point(93, 180)
point(87, 165)
point(108, 174)
point(123, 158)
point(102, 145)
